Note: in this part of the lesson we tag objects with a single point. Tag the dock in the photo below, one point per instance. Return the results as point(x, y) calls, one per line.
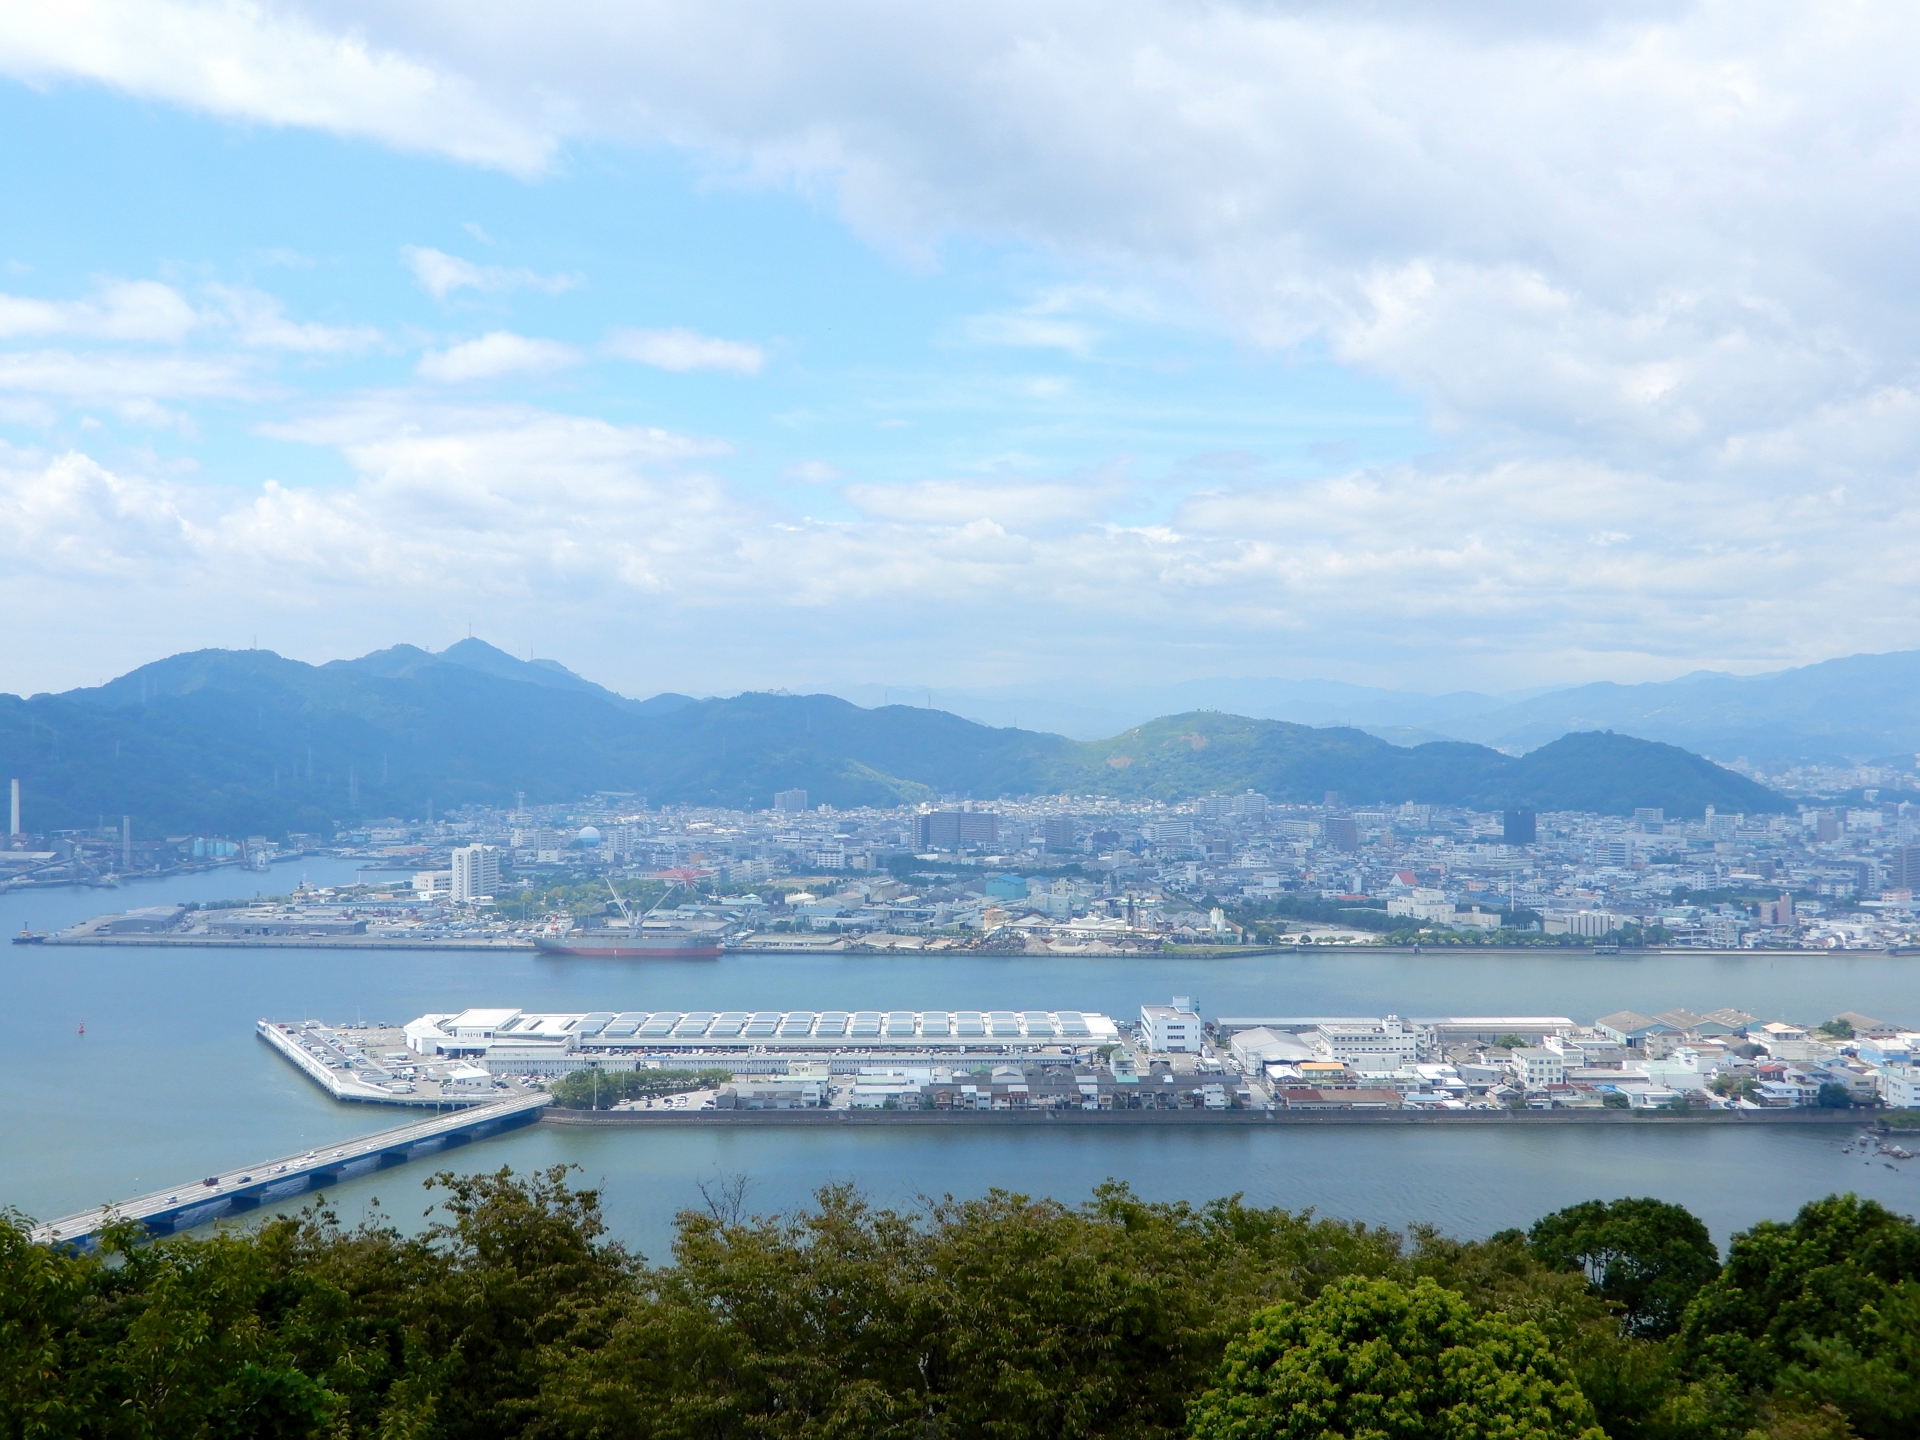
point(235, 1192)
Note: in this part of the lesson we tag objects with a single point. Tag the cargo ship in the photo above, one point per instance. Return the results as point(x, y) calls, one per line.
point(621, 942)
point(629, 938)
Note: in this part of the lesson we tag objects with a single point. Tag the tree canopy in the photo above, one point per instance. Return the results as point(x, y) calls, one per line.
point(998, 1318)
point(1373, 1358)
point(1646, 1256)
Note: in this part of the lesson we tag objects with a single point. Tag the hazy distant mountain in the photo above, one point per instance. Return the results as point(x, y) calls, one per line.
point(1857, 708)
point(246, 741)
point(1089, 710)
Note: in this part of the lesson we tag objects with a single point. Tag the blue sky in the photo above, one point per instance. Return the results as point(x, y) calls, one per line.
point(881, 367)
point(732, 346)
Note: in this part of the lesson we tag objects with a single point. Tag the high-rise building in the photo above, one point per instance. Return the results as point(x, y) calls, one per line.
point(476, 872)
point(1342, 833)
point(1518, 827)
point(1900, 869)
point(1252, 804)
point(952, 829)
point(790, 802)
point(1058, 832)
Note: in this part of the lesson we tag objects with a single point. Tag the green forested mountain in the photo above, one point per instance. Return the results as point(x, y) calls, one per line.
point(220, 741)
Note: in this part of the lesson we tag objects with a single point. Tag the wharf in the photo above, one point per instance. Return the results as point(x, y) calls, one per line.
point(237, 1191)
point(297, 942)
point(1188, 1119)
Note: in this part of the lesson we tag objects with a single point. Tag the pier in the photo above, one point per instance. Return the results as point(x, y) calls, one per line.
point(196, 1202)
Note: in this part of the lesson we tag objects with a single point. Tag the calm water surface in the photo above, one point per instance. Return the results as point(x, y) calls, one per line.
point(168, 1082)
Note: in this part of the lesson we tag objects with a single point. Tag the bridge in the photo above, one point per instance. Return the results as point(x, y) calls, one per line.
point(235, 1192)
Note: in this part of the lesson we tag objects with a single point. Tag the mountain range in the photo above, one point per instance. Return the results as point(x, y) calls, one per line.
point(1858, 708)
point(225, 742)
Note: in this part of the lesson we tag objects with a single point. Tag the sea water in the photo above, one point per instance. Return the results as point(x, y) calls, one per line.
point(169, 1082)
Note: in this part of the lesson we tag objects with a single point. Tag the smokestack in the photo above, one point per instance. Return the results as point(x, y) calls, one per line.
point(126, 843)
point(14, 828)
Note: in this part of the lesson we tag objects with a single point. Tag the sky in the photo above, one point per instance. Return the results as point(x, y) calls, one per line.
point(743, 345)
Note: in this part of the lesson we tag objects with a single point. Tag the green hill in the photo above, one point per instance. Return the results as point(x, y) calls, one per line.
point(234, 742)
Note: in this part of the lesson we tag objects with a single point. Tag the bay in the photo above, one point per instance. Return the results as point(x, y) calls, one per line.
point(169, 1082)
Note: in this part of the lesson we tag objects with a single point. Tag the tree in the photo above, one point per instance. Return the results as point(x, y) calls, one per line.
point(1648, 1257)
point(1511, 1042)
point(1833, 1096)
point(1827, 1307)
point(1375, 1358)
point(1839, 1029)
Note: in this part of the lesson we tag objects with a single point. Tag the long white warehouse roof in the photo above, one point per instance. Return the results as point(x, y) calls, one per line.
point(773, 1029)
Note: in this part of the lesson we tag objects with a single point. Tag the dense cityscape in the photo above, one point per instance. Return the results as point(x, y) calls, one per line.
point(1069, 874)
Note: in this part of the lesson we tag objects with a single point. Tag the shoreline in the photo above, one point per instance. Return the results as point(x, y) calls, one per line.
point(1231, 1119)
point(1225, 952)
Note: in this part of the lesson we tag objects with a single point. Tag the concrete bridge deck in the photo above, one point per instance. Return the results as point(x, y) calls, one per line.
point(197, 1202)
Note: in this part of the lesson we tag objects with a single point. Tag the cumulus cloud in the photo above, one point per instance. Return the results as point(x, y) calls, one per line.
point(627, 538)
point(683, 350)
point(440, 274)
point(1645, 226)
point(117, 376)
point(259, 320)
point(1015, 505)
point(1651, 266)
point(277, 65)
point(497, 353)
point(119, 310)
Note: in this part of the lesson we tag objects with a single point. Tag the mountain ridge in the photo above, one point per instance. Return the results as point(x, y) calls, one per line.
point(223, 741)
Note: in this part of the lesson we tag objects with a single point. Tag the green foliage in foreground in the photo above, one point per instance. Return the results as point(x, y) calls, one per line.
point(1646, 1256)
point(597, 1089)
point(1000, 1318)
point(1374, 1358)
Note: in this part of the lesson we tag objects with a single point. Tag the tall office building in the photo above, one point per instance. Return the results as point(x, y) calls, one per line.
point(1517, 827)
point(790, 802)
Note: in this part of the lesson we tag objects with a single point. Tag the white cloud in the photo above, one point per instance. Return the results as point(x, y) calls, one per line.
point(1638, 229)
point(440, 274)
point(497, 353)
point(1652, 265)
point(259, 320)
point(119, 310)
point(1013, 504)
point(683, 350)
point(624, 538)
point(816, 472)
point(120, 376)
point(251, 62)
point(1040, 332)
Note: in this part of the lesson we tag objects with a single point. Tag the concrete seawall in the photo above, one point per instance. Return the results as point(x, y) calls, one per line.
point(285, 942)
point(1189, 1119)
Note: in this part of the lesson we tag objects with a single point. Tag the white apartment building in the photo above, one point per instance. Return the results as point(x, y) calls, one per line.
point(1536, 1066)
point(1899, 1087)
point(1168, 1028)
point(476, 872)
